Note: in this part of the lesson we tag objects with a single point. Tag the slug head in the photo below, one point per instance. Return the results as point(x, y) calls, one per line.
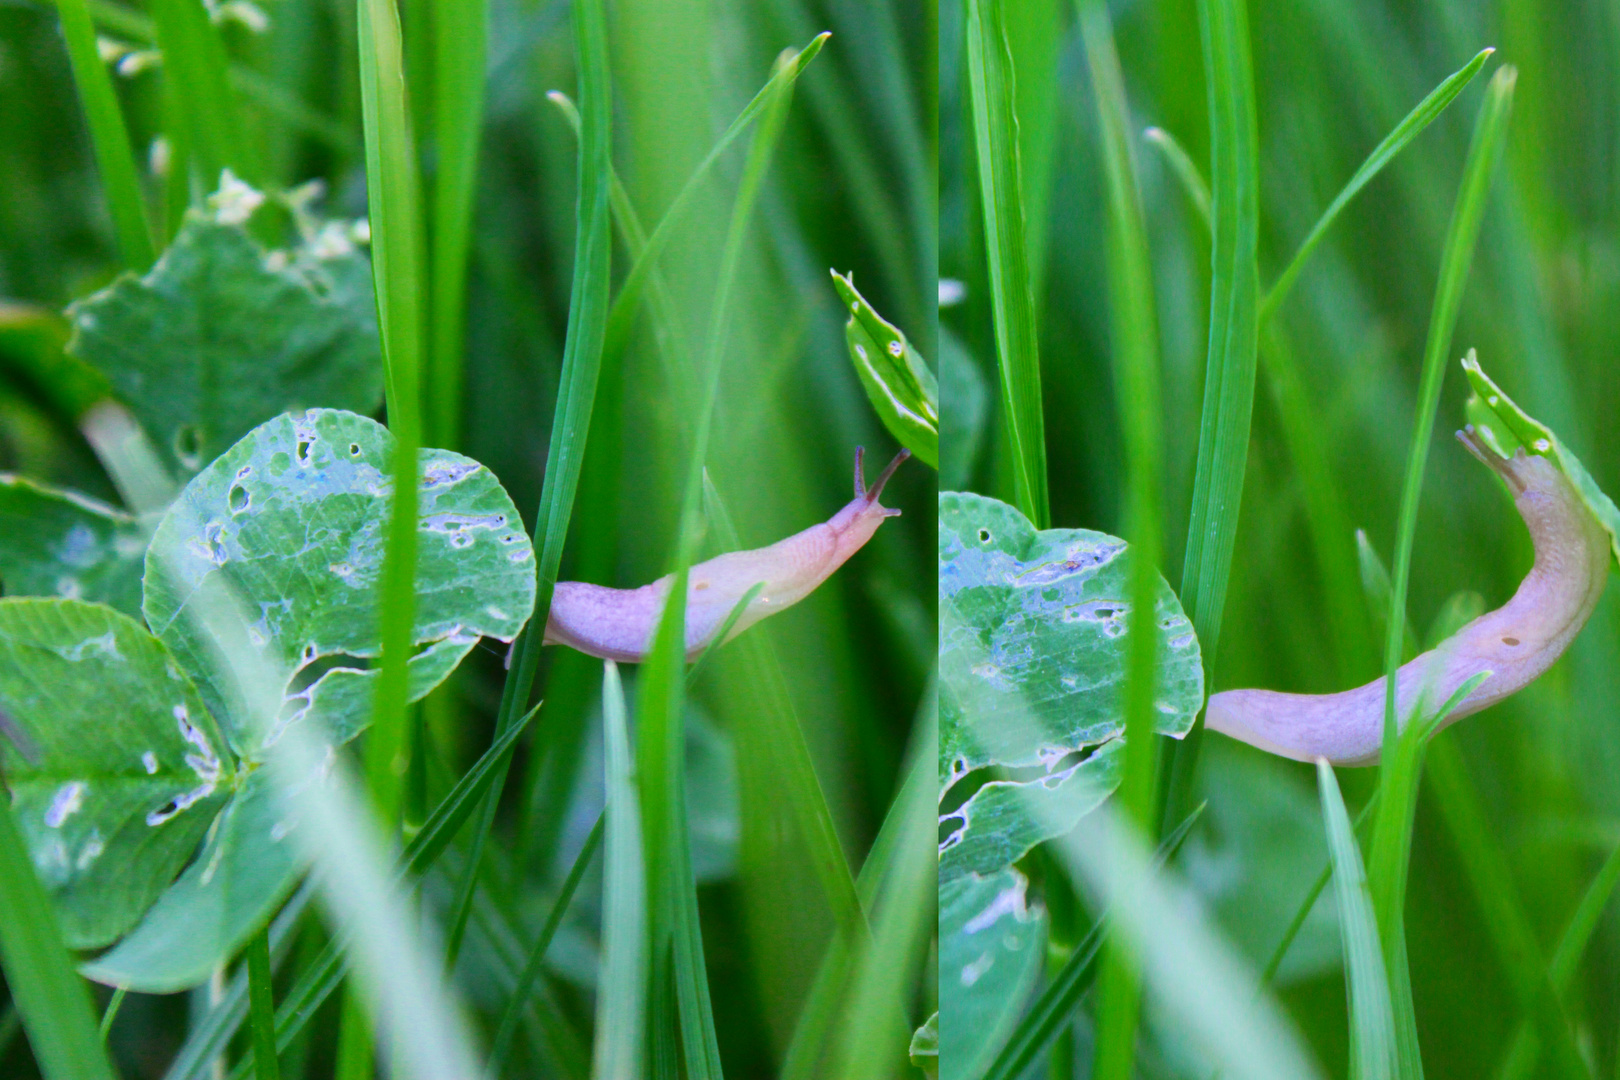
point(854, 525)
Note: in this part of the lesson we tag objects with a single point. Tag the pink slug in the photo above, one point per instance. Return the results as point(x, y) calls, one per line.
point(618, 624)
point(1515, 643)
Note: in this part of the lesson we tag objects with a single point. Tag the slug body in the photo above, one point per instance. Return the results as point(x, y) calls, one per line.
point(618, 624)
point(1515, 643)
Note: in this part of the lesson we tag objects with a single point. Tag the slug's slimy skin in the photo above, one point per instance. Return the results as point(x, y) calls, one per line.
point(618, 624)
point(1515, 643)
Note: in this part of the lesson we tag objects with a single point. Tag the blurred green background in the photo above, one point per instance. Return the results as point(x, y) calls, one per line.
point(852, 187)
point(1332, 79)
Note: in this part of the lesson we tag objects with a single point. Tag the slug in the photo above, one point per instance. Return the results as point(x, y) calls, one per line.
point(1515, 643)
point(618, 624)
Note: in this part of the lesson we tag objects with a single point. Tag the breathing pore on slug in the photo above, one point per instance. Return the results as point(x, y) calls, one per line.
point(618, 624)
point(1515, 643)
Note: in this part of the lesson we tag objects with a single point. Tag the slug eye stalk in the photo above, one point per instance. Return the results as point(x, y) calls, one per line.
point(618, 624)
point(1515, 643)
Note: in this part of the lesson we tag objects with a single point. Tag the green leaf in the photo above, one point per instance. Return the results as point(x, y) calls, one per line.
point(123, 768)
point(925, 1048)
point(1032, 641)
point(249, 865)
point(896, 378)
point(1004, 819)
point(992, 945)
point(61, 543)
point(220, 335)
point(294, 518)
point(1505, 427)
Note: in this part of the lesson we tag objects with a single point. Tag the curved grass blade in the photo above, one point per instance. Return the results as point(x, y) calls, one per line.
point(49, 995)
point(1411, 126)
point(875, 1030)
point(1485, 865)
point(1372, 1020)
point(995, 136)
point(1181, 165)
point(576, 399)
point(1269, 975)
point(719, 638)
point(1401, 761)
point(626, 306)
point(660, 734)
point(531, 968)
point(1520, 1063)
point(120, 182)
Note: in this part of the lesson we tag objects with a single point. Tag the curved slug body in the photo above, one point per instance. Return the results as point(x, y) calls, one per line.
point(1515, 643)
point(618, 624)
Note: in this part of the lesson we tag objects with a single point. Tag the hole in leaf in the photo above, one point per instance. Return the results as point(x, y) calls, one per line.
point(239, 498)
point(984, 536)
point(316, 668)
point(354, 449)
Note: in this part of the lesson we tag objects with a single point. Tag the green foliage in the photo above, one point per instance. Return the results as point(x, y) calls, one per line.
point(897, 380)
point(290, 523)
point(221, 335)
point(127, 767)
point(1032, 632)
point(61, 543)
point(992, 944)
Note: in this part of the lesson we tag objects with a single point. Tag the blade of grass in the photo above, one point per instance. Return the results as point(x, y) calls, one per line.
point(1521, 1059)
point(109, 1015)
point(1134, 339)
point(622, 978)
point(49, 995)
point(1372, 1020)
point(460, 32)
point(120, 183)
point(1181, 165)
point(660, 732)
point(626, 306)
point(1223, 435)
point(875, 1030)
point(576, 398)
point(396, 265)
point(1325, 509)
point(1057, 1002)
point(515, 1005)
point(1410, 127)
point(1297, 923)
point(262, 1007)
point(732, 616)
point(1511, 933)
point(991, 83)
point(194, 57)
point(1401, 760)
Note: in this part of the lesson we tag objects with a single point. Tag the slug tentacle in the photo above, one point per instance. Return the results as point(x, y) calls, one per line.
point(618, 624)
point(1515, 643)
